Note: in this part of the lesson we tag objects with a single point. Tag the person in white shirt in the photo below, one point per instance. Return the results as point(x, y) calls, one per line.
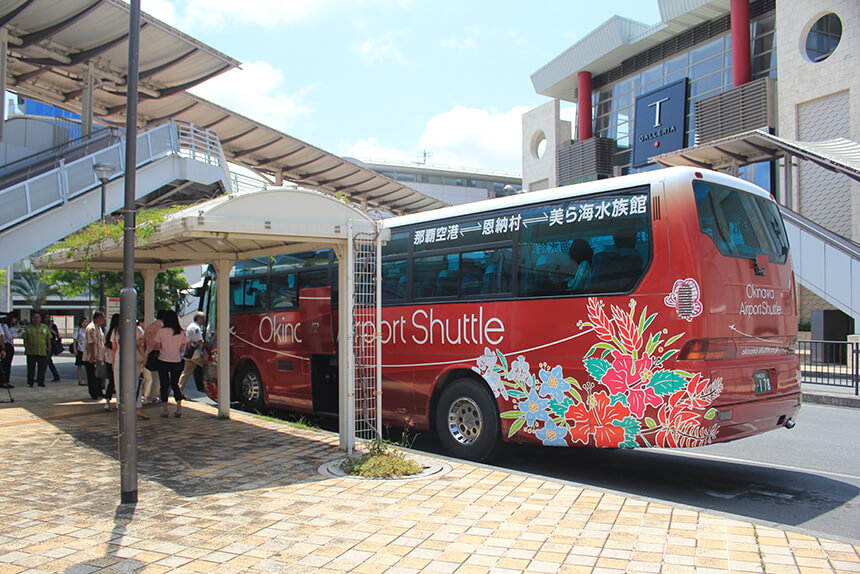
point(193, 349)
point(151, 386)
point(8, 332)
point(80, 338)
point(112, 358)
point(94, 353)
point(170, 343)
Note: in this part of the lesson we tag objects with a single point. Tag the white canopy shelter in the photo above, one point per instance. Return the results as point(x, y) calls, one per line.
point(267, 223)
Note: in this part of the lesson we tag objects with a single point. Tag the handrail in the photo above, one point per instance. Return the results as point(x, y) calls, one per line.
point(833, 239)
point(58, 150)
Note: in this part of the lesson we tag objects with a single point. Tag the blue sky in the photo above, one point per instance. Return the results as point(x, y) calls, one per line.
point(388, 79)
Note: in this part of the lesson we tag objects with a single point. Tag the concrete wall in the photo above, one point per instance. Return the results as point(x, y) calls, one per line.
point(542, 123)
point(819, 101)
point(454, 194)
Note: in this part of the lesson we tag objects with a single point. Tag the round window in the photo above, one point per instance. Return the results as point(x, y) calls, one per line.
point(538, 144)
point(823, 37)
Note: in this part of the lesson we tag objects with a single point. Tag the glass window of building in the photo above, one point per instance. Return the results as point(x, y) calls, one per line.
point(823, 37)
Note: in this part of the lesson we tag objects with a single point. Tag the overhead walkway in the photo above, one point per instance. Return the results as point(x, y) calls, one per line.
point(825, 263)
point(176, 162)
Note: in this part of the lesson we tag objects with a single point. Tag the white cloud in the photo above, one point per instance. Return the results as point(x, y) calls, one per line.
point(381, 47)
point(454, 42)
point(464, 137)
point(257, 91)
point(201, 14)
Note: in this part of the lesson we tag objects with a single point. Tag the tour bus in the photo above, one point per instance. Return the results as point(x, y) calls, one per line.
point(649, 310)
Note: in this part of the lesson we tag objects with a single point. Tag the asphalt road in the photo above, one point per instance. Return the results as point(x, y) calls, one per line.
point(806, 479)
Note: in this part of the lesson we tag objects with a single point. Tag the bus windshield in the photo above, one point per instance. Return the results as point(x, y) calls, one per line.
point(740, 224)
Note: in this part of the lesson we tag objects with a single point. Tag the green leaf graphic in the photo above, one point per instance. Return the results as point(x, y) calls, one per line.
point(518, 424)
point(711, 413)
point(667, 382)
point(596, 368)
point(512, 414)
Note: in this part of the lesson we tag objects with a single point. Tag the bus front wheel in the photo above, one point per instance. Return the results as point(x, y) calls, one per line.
point(467, 421)
point(251, 388)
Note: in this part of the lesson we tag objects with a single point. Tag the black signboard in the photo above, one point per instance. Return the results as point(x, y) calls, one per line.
point(660, 124)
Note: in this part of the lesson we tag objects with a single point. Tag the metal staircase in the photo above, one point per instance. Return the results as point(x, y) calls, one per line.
point(825, 263)
point(176, 161)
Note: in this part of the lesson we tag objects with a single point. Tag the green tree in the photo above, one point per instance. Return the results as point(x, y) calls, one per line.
point(169, 286)
point(33, 288)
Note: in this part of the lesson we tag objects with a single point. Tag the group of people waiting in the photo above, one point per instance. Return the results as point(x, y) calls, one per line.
point(167, 356)
point(41, 341)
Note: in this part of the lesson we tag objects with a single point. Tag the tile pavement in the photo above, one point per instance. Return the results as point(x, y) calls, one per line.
point(244, 495)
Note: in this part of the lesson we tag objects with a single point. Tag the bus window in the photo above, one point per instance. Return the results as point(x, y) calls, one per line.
point(283, 293)
point(740, 224)
point(398, 244)
point(314, 278)
point(291, 261)
point(250, 266)
point(248, 295)
point(598, 244)
point(435, 276)
point(485, 272)
point(393, 280)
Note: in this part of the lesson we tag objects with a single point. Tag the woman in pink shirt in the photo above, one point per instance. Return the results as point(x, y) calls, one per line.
point(170, 342)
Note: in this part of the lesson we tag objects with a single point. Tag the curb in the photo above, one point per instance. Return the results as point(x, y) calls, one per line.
point(850, 401)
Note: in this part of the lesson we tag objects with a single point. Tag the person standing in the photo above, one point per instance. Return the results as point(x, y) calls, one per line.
point(170, 343)
point(55, 336)
point(151, 386)
point(80, 338)
point(111, 354)
point(94, 349)
point(37, 345)
point(8, 332)
point(193, 349)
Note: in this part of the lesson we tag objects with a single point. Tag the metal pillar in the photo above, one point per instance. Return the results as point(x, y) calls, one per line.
point(741, 61)
point(222, 326)
point(787, 183)
point(128, 295)
point(4, 45)
point(149, 276)
point(88, 101)
point(583, 105)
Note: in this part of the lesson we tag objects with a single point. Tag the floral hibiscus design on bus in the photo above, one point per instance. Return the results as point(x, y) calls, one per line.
point(628, 400)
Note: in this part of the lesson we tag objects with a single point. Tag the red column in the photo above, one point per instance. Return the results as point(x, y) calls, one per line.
point(583, 109)
point(740, 10)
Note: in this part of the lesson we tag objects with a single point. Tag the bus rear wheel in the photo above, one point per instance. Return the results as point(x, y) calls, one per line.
point(251, 388)
point(467, 421)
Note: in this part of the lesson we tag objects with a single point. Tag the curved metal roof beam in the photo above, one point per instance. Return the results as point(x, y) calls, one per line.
point(11, 15)
point(303, 164)
point(237, 136)
point(253, 149)
point(265, 160)
point(39, 35)
point(83, 55)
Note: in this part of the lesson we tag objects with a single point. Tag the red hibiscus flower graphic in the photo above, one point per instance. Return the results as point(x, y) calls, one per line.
point(594, 417)
point(629, 377)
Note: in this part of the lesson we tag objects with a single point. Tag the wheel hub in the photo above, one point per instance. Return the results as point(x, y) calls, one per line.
point(465, 421)
point(250, 387)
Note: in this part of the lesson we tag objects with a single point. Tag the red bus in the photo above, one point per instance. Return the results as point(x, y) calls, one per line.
point(655, 309)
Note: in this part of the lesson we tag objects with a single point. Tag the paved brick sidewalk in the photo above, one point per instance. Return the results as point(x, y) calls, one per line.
point(244, 495)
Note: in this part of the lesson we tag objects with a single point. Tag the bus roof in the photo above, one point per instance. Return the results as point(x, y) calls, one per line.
point(680, 173)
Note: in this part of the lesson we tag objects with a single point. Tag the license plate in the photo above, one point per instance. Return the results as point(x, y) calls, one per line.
point(761, 382)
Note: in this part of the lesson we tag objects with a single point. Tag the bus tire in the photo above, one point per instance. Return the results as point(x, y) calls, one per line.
point(467, 421)
point(250, 388)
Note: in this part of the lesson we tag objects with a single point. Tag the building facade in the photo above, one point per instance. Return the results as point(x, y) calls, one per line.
point(709, 70)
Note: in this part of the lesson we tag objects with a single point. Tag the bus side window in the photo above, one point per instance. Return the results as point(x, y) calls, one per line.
point(248, 295)
point(283, 292)
point(393, 280)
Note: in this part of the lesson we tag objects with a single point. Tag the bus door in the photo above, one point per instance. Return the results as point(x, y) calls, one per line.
point(318, 338)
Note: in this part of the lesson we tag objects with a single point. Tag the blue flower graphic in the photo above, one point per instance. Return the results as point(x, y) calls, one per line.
point(552, 435)
point(552, 383)
point(535, 408)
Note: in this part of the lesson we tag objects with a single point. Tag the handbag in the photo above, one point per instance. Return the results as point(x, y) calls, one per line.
point(102, 371)
point(152, 361)
point(189, 352)
point(56, 346)
point(72, 349)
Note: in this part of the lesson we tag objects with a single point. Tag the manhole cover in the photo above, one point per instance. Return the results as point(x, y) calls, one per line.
point(432, 469)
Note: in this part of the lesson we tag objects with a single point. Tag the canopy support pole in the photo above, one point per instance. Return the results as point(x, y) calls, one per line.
point(4, 45)
point(149, 276)
point(346, 358)
point(88, 101)
point(222, 326)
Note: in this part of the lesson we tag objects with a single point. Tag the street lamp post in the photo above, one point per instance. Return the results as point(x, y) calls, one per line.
point(103, 172)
